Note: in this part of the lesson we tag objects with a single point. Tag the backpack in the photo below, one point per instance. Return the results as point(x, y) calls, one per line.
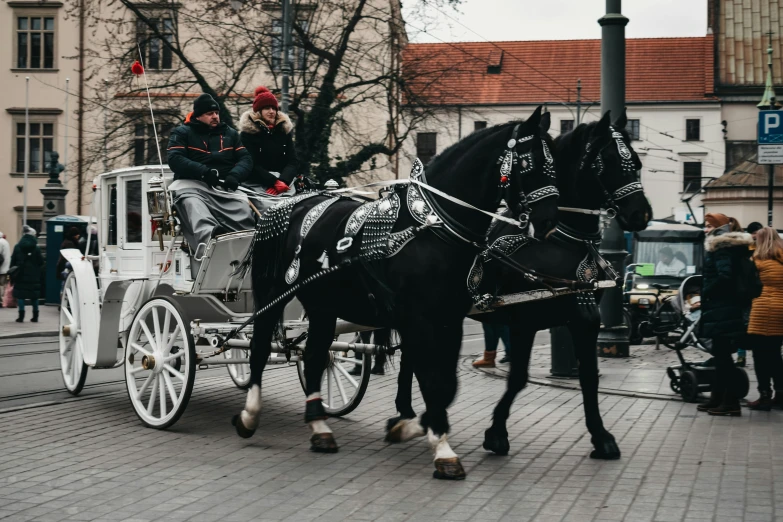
point(748, 281)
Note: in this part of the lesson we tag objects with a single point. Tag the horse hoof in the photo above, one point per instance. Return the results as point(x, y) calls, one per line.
point(449, 469)
point(606, 450)
point(323, 443)
point(496, 443)
point(394, 430)
point(243, 432)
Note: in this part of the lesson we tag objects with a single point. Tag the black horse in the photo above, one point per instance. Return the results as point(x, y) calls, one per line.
point(590, 176)
point(411, 281)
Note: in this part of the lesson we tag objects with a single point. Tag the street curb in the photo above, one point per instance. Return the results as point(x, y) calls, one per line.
point(38, 333)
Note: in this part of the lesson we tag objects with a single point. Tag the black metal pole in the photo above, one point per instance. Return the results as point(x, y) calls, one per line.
point(771, 194)
point(613, 339)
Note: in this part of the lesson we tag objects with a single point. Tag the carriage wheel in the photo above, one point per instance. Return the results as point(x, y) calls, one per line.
point(341, 392)
point(239, 373)
point(160, 363)
point(74, 371)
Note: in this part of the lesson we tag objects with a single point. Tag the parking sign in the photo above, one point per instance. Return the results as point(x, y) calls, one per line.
point(770, 127)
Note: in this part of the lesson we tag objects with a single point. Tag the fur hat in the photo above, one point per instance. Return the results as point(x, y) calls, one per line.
point(264, 98)
point(204, 104)
point(716, 220)
point(30, 231)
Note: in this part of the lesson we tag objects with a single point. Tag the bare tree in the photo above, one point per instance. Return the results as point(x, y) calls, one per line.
point(347, 86)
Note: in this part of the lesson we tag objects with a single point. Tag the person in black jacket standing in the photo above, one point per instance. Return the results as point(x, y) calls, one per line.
point(723, 312)
point(267, 134)
point(204, 154)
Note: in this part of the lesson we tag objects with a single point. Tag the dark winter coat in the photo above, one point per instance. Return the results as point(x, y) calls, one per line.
point(723, 315)
point(195, 148)
point(68, 242)
point(271, 150)
point(27, 278)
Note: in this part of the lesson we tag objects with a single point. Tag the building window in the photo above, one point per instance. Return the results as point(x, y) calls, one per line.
point(35, 42)
point(157, 55)
point(426, 146)
point(691, 179)
point(144, 150)
point(478, 125)
point(566, 126)
point(632, 128)
point(692, 130)
point(41, 146)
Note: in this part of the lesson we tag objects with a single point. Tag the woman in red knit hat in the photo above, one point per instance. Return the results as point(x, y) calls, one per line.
point(267, 134)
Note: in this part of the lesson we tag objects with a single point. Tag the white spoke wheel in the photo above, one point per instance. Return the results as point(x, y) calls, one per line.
point(239, 373)
point(341, 392)
point(74, 371)
point(160, 362)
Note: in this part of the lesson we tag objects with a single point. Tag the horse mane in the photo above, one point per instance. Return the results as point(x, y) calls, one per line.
point(568, 150)
point(446, 158)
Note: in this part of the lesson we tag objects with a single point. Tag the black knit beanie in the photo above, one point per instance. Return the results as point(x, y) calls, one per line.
point(204, 104)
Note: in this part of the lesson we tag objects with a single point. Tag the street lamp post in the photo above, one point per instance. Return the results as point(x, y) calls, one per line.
point(613, 339)
point(769, 103)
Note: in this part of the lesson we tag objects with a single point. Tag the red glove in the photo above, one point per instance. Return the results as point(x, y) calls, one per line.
point(272, 191)
point(281, 187)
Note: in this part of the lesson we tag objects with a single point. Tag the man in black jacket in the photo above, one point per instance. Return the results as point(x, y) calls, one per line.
point(203, 154)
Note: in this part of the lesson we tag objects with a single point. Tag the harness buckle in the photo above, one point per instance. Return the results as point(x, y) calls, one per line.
point(611, 213)
point(344, 244)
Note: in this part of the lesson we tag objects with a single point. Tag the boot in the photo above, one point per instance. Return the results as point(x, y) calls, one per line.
point(378, 367)
point(35, 317)
point(716, 399)
point(487, 362)
point(777, 402)
point(21, 317)
point(763, 403)
point(729, 408)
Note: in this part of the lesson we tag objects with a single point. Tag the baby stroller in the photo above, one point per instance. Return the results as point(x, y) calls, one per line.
point(676, 325)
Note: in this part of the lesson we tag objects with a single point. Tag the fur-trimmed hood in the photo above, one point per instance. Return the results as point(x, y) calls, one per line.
point(250, 120)
point(727, 240)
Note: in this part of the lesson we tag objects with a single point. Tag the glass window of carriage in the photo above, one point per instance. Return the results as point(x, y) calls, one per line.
point(632, 127)
point(693, 130)
point(111, 239)
point(133, 217)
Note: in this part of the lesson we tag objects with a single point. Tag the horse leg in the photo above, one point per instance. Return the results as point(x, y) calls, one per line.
point(436, 371)
point(521, 344)
point(405, 426)
point(260, 348)
point(316, 358)
point(584, 334)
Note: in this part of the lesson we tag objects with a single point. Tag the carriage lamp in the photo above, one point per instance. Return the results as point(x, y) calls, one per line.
point(156, 205)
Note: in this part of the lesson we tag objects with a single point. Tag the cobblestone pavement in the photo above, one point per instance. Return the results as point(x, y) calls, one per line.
point(642, 374)
point(92, 460)
point(47, 322)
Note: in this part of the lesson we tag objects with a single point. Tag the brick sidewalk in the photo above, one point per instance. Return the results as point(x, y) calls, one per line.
point(92, 460)
point(47, 325)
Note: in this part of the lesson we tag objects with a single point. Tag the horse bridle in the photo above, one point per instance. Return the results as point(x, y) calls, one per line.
point(592, 159)
point(509, 160)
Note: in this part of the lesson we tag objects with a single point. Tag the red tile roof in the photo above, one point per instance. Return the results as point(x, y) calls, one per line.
point(657, 70)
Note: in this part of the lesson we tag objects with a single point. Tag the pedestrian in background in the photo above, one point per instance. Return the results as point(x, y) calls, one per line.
point(765, 331)
point(752, 229)
point(493, 334)
point(5, 264)
point(26, 263)
point(723, 309)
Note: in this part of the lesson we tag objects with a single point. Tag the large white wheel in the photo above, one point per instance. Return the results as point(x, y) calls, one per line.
point(239, 373)
point(160, 363)
point(74, 371)
point(341, 392)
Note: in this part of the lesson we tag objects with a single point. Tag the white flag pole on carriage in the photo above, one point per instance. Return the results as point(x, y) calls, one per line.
point(154, 130)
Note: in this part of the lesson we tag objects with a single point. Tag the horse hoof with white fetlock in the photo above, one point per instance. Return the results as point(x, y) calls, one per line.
point(323, 443)
point(394, 430)
point(605, 449)
point(449, 469)
point(242, 431)
point(496, 442)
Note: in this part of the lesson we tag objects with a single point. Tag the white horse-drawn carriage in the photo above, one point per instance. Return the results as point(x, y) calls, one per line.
point(161, 313)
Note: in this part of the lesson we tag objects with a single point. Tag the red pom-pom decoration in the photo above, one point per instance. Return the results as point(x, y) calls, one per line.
point(259, 90)
point(137, 68)
point(504, 179)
